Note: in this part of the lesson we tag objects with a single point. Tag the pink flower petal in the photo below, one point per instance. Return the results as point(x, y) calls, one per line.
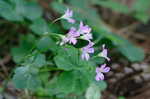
point(84, 29)
point(104, 53)
point(70, 20)
point(87, 50)
point(107, 69)
point(85, 56)
point(99, 77)
point(68, 16)
point(90, 50)
point(72, 40)
point(97, 70)
point(103, 66)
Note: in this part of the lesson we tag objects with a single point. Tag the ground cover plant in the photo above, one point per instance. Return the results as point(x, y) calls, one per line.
point(62, 49)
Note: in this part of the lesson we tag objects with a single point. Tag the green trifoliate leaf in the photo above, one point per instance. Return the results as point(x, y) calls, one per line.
point(40, 27)
point(93, 92)
point(25, 77)
point(67, 58)
point(46, 43)
point(40, 60)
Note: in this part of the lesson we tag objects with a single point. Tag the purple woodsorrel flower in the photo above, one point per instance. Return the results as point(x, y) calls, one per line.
point(71, 37)
point(87, 50)
point(99, 72)
point(84, 29)
point(104, 53)
point(68, 16)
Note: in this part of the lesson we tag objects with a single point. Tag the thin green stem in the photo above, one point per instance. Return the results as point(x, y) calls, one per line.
point(56, 20)
point(97, 40)
point(53, 34)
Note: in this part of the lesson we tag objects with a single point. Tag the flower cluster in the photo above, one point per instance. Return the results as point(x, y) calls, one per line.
point(84, 32)
point(103, 68)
